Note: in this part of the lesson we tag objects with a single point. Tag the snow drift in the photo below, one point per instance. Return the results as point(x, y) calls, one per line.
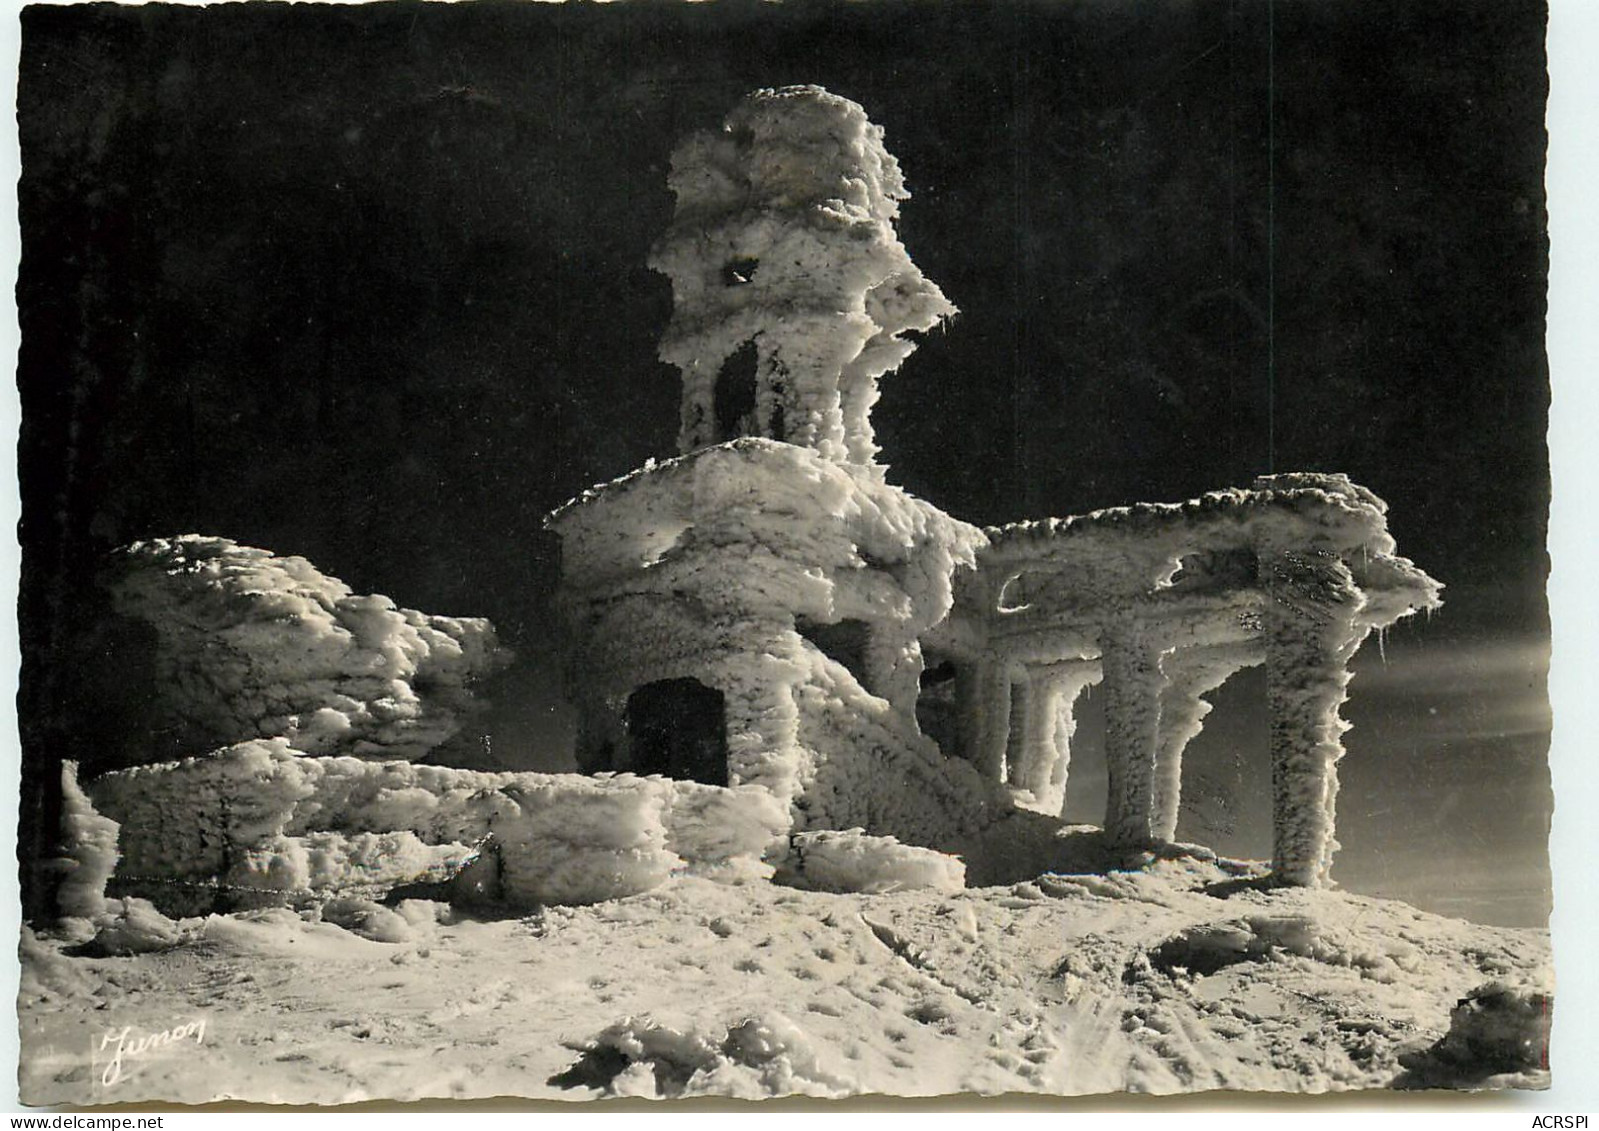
point(254, 645)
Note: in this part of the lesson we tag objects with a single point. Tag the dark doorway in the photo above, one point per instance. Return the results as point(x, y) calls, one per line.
point(1016, 739)
point(678, 728)
point(735, 394)
point(937, 707)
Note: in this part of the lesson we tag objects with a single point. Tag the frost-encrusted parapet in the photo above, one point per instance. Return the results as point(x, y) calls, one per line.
point(758, 526)
point(262, 816)
point(1200, 547)
point(254, 645)
point(783, 242)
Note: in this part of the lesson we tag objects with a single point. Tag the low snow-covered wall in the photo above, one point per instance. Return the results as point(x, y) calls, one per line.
point(262, 815)
point(328, 862)
point(852, 861)
point(253, 645)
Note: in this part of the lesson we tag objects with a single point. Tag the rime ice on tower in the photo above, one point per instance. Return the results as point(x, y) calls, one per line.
point(750, 611)
point(791, 288)
point(766, 609)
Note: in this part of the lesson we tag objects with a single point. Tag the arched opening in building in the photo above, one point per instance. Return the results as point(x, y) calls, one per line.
point(678, 728)
point(937, 708)
point(844, 642)
point(1013, 595)
point(1226, 773)
point(1088, 782)
point(734, 393)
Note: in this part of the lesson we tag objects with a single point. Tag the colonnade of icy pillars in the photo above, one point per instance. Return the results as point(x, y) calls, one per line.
point(1154, 706)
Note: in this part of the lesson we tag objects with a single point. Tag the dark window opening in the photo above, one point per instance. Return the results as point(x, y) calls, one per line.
point(738, 272)
point(844, 642)
point(937, 707)
point(735, 393)
point(1015, 741)
point(678, 728)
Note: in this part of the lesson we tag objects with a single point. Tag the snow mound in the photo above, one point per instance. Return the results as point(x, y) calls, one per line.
point(1498, 1037)
point(132, 926)
point(757, 1058)
point(1209, 947)
point(50, 978)
point(368, 919)
point(852, 861)
point(279, 931)
point(253, 645)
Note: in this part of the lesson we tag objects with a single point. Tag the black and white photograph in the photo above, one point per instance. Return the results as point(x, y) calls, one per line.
point(913, 548)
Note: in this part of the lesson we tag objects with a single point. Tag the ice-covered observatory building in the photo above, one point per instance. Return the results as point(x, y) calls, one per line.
point(766, 608)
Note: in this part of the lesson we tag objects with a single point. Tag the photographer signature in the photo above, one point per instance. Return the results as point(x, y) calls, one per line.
point(124, 1046)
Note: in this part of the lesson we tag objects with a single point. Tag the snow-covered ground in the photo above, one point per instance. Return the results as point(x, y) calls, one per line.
point(1182, 975)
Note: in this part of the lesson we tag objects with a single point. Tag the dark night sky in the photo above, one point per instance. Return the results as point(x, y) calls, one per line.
point(367, 285)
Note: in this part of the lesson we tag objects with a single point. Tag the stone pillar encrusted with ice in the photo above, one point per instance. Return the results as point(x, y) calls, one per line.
point(1311, 633)
point(1044, 750)
point(1133, 682)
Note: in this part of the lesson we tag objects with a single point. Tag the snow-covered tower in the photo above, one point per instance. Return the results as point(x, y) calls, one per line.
point(749, 612)
point(790, 287)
